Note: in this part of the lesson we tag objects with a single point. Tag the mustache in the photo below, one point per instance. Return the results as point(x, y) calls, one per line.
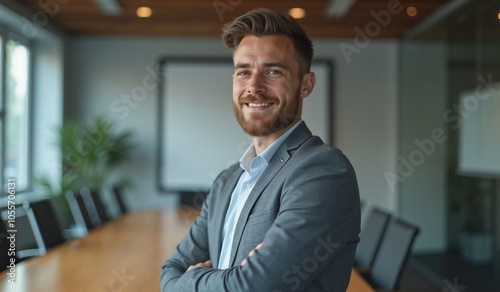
point(257, 99)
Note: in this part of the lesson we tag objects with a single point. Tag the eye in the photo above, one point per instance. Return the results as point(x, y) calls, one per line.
point(274, 72)
point(242, 73)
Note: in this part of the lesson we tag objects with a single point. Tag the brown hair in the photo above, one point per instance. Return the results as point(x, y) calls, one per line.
point(263, 21)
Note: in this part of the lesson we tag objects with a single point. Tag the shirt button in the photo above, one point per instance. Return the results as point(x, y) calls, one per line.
point(248, 185)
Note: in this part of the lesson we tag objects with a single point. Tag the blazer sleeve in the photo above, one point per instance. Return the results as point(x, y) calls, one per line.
point(192, 249)
point(317, 222)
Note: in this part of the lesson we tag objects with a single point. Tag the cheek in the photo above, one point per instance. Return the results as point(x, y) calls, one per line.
point(236, 94)
point(283, 89)
point(238, 88)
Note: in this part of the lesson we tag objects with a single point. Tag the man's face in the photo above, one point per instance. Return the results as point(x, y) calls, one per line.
point(267, 89)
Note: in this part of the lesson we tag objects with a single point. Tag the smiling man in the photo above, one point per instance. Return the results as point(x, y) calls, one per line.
point(267, 87)
point(286, 218)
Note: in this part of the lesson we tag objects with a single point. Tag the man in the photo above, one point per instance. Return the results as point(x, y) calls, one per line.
point(287, 217)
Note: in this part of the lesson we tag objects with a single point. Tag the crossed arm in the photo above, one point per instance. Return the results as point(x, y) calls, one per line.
point(316, 228)
point(208, 263)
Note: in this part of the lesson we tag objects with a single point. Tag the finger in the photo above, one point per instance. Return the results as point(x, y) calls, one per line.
point(205, 264)
point(244, 262)
point(260, 245)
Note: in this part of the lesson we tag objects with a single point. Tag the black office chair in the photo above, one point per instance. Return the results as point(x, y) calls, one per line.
point(29, 241)
point(95, 206)
point(4, 247)
point(42, 218)
point(120, 202)
point(370, 239)
point(392, 255)
point(79, 212)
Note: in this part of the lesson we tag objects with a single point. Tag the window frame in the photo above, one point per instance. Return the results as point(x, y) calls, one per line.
point(5, 37)
point(2, 107)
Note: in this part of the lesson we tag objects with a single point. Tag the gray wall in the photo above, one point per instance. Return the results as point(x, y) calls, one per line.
point(423, 137)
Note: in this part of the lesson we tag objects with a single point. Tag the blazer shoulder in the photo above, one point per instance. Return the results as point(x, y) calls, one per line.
point(224, 176)
point(316, 150)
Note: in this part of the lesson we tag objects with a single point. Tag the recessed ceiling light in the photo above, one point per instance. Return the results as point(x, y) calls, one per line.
point(411, 11)
point(498, 15)
point(144, 12)
point(297, 13)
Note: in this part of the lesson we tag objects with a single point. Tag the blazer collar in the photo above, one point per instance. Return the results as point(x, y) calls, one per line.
point(297, 137)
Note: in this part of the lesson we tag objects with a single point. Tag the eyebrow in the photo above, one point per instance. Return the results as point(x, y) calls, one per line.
point(241, 65)
point(276, 64)
point(266, 65)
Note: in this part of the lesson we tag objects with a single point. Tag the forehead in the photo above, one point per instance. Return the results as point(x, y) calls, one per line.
point(262, 48)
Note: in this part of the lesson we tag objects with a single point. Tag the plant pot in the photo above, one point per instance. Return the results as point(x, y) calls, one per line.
point(477, 248)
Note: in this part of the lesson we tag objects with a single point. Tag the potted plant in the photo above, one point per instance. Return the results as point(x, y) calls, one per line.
point(89, 154)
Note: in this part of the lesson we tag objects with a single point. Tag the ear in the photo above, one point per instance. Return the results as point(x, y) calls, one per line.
point(307, 86)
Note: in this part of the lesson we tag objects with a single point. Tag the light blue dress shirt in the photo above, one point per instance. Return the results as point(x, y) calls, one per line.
point(253, 167)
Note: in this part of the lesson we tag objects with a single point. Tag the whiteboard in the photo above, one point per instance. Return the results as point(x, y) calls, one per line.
point(199, 135)
point(479, 142)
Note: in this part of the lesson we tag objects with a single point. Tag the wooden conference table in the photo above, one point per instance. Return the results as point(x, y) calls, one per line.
point(122, 255)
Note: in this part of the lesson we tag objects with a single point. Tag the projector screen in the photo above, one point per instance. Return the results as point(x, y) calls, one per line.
point(479, 142)
point(198, 133)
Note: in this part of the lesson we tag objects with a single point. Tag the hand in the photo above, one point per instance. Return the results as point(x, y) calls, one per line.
point(244, 262)
point(205, 264)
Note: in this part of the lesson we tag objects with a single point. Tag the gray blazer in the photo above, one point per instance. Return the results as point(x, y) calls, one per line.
point(305, 208)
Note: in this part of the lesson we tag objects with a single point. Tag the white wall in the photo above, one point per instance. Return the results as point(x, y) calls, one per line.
point(104, 69)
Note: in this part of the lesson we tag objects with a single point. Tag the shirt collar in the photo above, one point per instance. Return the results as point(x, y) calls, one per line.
point(269, 152)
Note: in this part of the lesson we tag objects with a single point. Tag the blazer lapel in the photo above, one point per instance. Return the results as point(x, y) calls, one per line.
point(279, 159)
point(222, 203)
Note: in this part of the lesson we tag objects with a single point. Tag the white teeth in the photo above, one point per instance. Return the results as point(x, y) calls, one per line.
point(258, 104)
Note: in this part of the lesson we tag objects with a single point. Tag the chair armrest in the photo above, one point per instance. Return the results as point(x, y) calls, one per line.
point(29, 253)
point(74, 232)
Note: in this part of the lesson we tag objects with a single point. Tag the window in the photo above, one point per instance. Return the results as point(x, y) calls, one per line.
point(14, 117)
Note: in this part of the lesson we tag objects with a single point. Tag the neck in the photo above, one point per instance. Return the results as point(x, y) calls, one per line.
point(260, 143)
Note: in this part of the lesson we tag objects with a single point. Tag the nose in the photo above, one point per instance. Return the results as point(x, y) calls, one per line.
point(256, 85)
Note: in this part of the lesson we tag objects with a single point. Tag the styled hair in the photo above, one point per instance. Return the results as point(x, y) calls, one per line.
point(262, 22)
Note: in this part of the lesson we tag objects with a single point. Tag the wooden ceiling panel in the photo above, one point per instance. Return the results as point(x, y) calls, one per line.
point(206, 17)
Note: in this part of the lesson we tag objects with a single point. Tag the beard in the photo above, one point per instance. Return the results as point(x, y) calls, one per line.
point(259, 124)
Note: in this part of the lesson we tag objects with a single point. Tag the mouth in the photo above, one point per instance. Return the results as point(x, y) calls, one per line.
point(259, 105)
point(255, 107)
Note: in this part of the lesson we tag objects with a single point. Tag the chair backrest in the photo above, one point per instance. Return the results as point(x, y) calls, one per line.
point(393, 254)
point(120, 202)
point(43, 218)
point(79, 211)
point(4, 247)
point(29, 241)
point(370, 238)
point(94, 205)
